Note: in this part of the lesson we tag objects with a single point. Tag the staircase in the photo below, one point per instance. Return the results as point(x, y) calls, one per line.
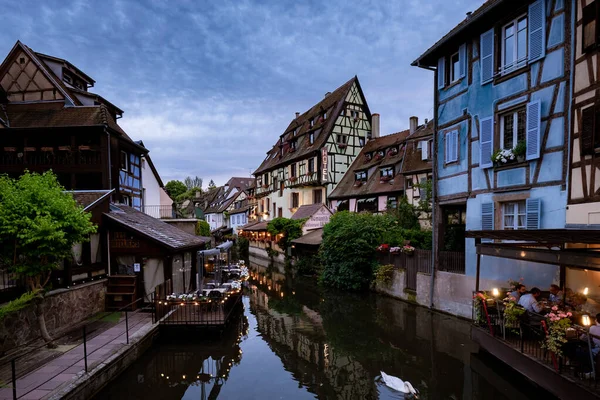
point(121, 291)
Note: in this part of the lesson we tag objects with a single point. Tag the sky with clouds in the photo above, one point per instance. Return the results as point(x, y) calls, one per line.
point(210, 85)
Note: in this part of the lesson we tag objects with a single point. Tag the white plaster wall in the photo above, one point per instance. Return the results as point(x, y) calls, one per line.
point(151, 187)
point(165, 199)
point(305, 197)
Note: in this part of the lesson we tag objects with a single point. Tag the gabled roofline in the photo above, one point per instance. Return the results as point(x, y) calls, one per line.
point(70, 65)
point(41, 66)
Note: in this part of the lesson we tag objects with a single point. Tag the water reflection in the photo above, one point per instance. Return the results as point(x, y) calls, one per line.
point(296, 341)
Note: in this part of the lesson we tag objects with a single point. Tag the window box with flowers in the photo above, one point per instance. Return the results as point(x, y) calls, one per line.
point(383, 248)
point(358, 183)
point(504, 157)
point(265, 186)
point(386, 178)
point(368, 156)
point(393, 151)
point(293, 179)
point(379, 155)
point(342, 145)
point(558, 323)
point(408, 249)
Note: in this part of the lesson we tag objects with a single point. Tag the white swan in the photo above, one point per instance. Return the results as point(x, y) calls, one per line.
point(398, 384)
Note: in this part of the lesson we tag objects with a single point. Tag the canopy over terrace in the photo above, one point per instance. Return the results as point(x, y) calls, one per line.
point(567, 248)
point(216, 252)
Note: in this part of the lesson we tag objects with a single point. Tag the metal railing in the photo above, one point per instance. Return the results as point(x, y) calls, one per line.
point(18, 367)
point(527, 335)
point(160, 212)
point(14, 156)
point(452, 261)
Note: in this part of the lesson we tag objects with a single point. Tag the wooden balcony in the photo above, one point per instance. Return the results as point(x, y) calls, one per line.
point(50, 156)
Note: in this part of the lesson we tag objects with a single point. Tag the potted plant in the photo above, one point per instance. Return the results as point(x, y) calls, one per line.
point(408, 249)
point(393, 151)
point(512, 314)
point(358, 183)
point(383, 248)
point(386, 178)
point(502, 157)
point(293, 179)
point(558, 323)
point(520, 150)
point(342, 145)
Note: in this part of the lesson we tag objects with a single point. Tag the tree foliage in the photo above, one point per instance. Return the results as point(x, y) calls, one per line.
point(175, 188)
point(211, 184)
point(39, 224)
point(193, 183)
point(202, 228)
point(290, 229)
point(405, 213)
point(348, 249)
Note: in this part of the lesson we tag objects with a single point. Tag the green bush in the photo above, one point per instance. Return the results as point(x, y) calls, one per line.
point(384, 273)
point(17, 304)
point(202, 228)
point(348, 249)
point(290, 229)
point(308, 265)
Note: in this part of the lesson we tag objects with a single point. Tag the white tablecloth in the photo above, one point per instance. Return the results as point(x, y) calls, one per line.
point(205, 292)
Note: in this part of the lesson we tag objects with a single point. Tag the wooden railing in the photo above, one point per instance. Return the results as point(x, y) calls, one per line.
point(161, 211)
point(452, 261)
point(12, 156)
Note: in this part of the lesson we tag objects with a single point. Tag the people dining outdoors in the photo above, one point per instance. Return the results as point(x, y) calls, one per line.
point(529, 301)
point(519, 291)
point(556, 295)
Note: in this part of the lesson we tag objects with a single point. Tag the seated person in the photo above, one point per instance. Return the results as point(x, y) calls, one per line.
point(519, 291)
point(529, 301)
point(556, 295)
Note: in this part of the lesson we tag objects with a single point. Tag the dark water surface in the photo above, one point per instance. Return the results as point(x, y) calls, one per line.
point(293, 340)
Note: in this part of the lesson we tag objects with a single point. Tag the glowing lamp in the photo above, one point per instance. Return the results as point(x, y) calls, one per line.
point(585, 291)
point(495, 292)
point(585, 319)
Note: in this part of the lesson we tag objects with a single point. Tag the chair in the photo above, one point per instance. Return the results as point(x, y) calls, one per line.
point(215, 297)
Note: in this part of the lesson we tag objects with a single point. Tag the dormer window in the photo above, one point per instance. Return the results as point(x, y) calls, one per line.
point(386, 173)
point(342, 139)
point(360, 176)
point(67, 78)
point(311, 122)
point(311, 137)
point(325, 115)
point(293, 145)
point(295, 131)
point(368, 156)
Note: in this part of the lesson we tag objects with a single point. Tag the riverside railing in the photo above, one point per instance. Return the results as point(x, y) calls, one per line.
point(527, 335)
point(18, 368)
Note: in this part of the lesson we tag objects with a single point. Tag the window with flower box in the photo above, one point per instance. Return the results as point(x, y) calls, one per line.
point(513, 128)
point(360, 176)
point(386, 173)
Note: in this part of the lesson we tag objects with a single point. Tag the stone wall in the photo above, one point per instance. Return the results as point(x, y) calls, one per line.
point(63, 308)
point(185, 224)
point(453, 293)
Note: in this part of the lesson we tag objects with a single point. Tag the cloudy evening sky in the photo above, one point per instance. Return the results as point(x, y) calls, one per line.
point(210, 85)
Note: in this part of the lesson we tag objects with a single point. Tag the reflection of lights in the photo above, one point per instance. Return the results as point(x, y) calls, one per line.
point(586, 291)
point(163, 375)
point(269, 287)
point(281, 294)
point(183, 376)
point(523, 254)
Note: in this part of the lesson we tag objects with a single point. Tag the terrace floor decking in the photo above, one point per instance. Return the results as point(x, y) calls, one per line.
point(190, 313)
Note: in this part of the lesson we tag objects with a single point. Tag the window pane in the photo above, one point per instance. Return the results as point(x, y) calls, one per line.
point(521, 207)
point(521, 125)
point(508, 131)
point(589, 34)
point(522, 45)
point(522, 24)
point(455, 67)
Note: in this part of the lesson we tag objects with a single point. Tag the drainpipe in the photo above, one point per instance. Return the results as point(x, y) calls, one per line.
point(569, 88)
point(434, 240)
point(109, 160)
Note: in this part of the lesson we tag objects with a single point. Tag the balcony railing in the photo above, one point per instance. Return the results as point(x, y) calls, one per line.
point(161, 212)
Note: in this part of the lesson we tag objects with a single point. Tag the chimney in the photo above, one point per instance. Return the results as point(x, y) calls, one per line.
point(469, 14)
point(327, 94)
point(375, 126)
point(414, 123)
point(297, 114)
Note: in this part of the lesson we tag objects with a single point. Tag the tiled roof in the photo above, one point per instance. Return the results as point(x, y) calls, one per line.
point(429, 56)
point(258, 226)
point(347, 188)
point(312, 238)
point(331, 104)
point(56, 116)
point(154, 229)
point(89, 198)
point(306, 211)
point(224, 195)
point(412, 159)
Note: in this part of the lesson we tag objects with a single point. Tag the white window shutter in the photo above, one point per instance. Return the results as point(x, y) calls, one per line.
point(462, 60)
point(455, 146)
point(486, 142)
point(451, 146)
point(534, 111)
point(487, 216)
point(441, 77)
point(424, 151)
point(537, 30)
point(447, 145)
point(533, 208)
point(486, 54)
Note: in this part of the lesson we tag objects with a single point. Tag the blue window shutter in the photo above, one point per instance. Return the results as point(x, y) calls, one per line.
point(441, 77)
point(487, 216)
point(451, 146)
point(533, 209)
point(537, 30)
point(486, 55)
point(486, 142)
point(462, 60)
point(455, 146)
point(534, 110)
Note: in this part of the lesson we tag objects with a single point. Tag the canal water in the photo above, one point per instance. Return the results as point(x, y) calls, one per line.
point(293, 340)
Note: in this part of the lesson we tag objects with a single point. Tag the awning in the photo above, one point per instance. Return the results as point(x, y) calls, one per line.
point(225, 246)
point(210, 252)
point(312, 238)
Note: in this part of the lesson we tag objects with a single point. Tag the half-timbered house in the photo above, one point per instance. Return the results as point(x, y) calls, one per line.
point(52, 121)
point(584, 183)
point(314, 152)
point(501, 143)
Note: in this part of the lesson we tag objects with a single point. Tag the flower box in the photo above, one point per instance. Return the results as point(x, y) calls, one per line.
point(265, 186)
point(342, 145)
point(358, 183)
point(393, 152)
point(386, 178)
point(293, 179)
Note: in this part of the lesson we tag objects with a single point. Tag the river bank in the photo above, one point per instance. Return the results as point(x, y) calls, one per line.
point(294, 340)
